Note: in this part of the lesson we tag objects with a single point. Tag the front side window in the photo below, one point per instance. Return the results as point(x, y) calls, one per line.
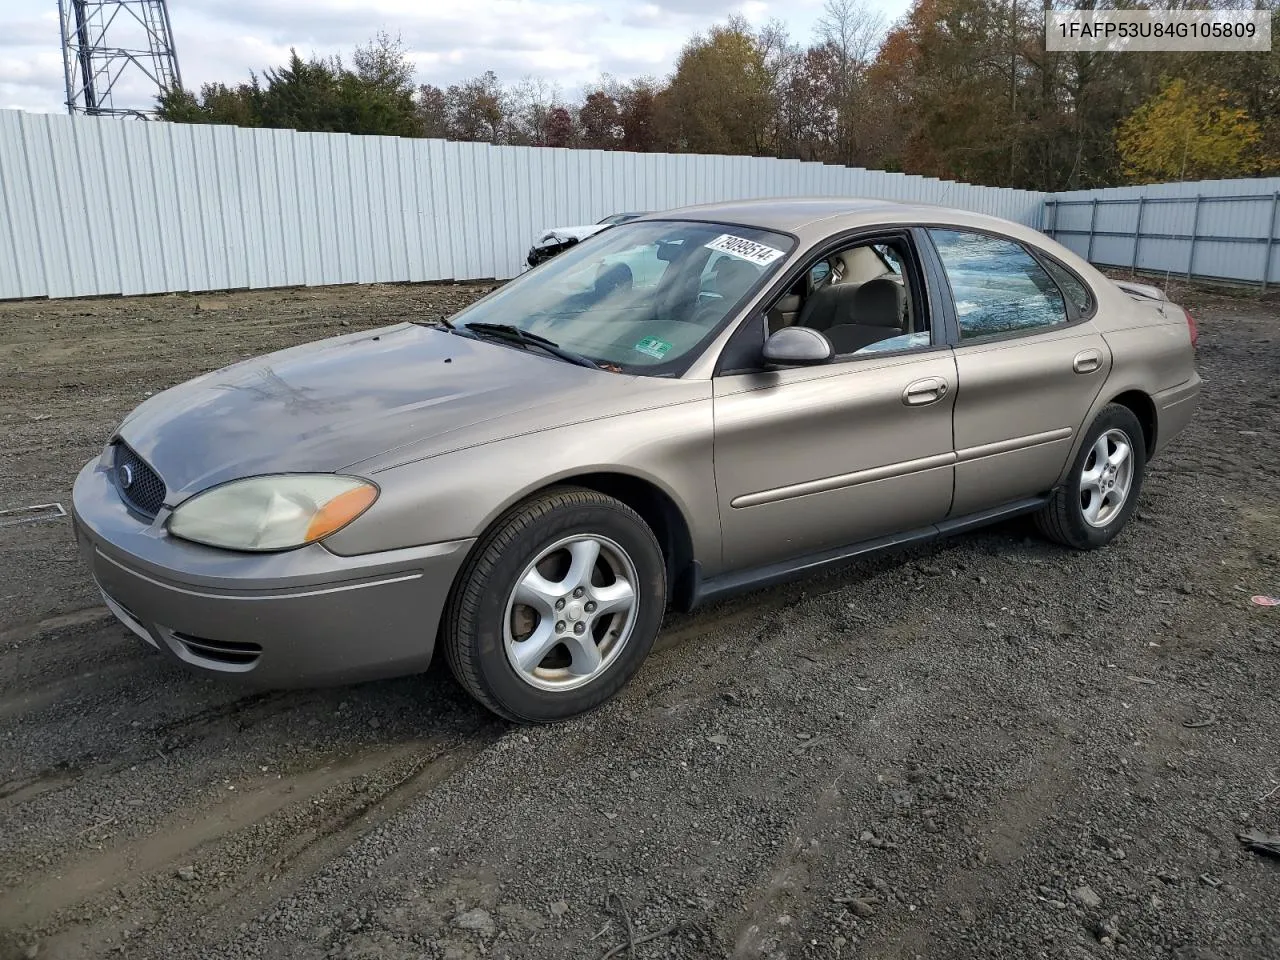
point(998, 286)
point(866, 302)
point(642, 297)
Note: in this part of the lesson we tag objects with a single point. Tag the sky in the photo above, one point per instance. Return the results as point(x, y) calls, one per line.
point(567, 42)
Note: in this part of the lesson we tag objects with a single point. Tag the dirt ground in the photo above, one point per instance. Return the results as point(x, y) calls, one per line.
point(989, 748)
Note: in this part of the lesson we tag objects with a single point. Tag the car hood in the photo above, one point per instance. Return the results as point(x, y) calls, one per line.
point(330, 405)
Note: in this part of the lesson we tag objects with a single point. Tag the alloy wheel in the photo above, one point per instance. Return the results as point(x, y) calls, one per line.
point(571, 612)
point(1106, 478)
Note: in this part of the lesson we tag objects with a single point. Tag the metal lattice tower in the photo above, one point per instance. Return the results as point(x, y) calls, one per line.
point(110, 43)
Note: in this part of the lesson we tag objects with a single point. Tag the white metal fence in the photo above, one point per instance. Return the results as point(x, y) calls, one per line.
point(97, 206)
point(92, 206)
point(1220, 229)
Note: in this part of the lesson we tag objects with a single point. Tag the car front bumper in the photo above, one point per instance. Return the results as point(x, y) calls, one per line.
point(299, 618)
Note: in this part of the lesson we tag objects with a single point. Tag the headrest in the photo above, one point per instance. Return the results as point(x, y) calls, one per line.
point(878, 303)
point(612, 278)
point(732, 277)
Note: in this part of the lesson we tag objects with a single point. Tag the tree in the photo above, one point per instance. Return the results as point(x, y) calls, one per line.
point(850, 34)
point(806, 127)
point(559, 128)
point(432, 107)
point(303, 95)
point(217, 103)
point(958, 89)
point(1252, 78)
point(530, 106)
point(478, 108)
point(365, 110)
point(376, 97)
point(637, 113)
point(383, 64)
point(720, 99)
point(601, 123)
point(1188, 133)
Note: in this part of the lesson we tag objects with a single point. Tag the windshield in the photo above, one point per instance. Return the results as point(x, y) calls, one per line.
point(641, 297)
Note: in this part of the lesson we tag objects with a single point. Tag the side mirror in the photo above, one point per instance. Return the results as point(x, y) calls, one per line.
point(798, 347)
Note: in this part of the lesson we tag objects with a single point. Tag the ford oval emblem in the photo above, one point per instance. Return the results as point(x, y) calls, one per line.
point(125, 472)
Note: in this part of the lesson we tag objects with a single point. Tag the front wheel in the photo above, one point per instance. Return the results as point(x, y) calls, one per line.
point(557, 607)
point(1101, 492)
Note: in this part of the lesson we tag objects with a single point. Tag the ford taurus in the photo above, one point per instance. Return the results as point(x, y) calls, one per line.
point(685, 405)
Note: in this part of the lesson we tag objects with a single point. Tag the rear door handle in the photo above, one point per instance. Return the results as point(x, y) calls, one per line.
point(928, 390)
point(1087, 361)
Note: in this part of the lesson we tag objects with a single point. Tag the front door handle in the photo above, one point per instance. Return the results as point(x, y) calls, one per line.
point(1087, 361)
point(928, 390)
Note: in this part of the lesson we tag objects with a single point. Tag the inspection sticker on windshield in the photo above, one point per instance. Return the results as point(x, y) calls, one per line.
point(757, 253)
point(653, 347)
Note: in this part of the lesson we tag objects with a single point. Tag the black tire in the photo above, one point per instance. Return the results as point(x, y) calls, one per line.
point(1062, 519)
point(472, 632)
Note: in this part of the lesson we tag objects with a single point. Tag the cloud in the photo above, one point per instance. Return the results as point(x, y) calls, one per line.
point(706, 10)
point(30, 32)
point(568, 42)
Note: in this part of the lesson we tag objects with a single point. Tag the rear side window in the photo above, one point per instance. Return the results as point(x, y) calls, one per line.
point(998, 286)
point(1071, 285)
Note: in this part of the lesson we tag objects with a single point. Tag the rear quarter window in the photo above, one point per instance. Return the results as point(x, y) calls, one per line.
point(1072, 287)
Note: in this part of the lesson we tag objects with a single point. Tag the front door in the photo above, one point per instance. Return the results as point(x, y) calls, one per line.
point(813, 458)
point(810, 459)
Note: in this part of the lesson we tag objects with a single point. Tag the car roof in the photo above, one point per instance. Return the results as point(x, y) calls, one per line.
point(802, 215)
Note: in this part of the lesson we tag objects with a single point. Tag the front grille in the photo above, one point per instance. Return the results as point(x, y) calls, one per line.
point(228, 652)
point(140, 486)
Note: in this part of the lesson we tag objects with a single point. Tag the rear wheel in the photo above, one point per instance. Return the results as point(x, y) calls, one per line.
point(557, 608)
point(1101, 492)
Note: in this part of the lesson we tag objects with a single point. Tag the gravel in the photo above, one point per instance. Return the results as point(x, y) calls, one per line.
point(989, 748)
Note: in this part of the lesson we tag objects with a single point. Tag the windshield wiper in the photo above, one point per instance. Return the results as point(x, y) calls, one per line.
point(511, 333)
point(442, 322)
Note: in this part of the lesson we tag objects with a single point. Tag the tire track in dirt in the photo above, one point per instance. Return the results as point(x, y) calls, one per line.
point(790, 878)
point(35, 630)
point(176, 734)
point(1005, 835)
point(21, 789)
point(293, 824)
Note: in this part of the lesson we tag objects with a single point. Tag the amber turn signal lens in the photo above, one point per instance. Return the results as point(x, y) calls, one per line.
point(340, 511)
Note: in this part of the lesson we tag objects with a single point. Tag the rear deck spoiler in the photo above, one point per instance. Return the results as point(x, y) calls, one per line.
point(1141, 290)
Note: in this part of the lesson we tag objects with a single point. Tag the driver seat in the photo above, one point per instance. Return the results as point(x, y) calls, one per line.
point(731, 278)
point(615, 277)
point(855, 315)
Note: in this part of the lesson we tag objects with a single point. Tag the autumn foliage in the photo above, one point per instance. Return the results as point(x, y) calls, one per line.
point(1189, 133)
point(957, 89)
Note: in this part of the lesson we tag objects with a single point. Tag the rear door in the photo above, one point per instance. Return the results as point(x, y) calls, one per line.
point(1029, 364)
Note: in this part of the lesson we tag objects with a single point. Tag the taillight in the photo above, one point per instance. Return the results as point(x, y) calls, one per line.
point(1191, 325)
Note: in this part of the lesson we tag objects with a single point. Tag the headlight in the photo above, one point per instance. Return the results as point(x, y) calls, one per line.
point(274, 512)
